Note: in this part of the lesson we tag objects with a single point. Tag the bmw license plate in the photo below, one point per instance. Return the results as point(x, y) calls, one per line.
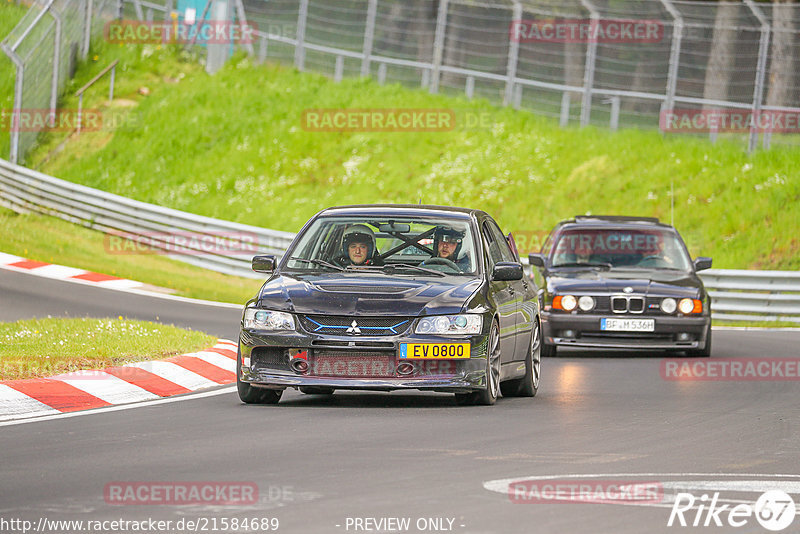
point(627, 325)
point(448, 351)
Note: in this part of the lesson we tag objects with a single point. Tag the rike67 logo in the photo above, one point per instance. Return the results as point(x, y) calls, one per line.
point(774, 510)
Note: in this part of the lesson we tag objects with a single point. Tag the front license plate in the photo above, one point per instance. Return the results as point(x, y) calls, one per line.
point(628, 325)
point(440, 351)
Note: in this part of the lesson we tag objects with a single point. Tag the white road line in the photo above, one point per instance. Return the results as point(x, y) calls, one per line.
point(105, 387)
point(14, 403)
point(175, 374)
point(144, 404)
point(215, 358)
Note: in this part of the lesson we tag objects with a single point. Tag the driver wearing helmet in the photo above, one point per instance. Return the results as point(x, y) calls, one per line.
point(447, 245)
point(358, 246)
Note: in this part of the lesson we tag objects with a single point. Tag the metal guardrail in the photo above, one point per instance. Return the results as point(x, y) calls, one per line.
point(737, 295)
point(24, 190)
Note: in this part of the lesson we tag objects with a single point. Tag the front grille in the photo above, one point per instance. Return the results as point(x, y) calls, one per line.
point(270, 357)
point(627, 304)
point(342, 325)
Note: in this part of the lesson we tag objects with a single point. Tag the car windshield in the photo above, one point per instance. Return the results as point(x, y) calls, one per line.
point(397, 245)
point(607, 248)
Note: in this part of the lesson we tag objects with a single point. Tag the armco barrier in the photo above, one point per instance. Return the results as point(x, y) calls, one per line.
point(24, 190)
point(737, 295)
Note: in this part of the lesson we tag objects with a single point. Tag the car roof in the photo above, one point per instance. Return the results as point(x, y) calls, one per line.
point(412, 210)
point(613, 221)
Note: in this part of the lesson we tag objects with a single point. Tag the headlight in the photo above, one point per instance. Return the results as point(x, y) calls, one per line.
point(450, 324)
point(686, 306)
point(586, 303)
point(568, 302)
point(268, 320)
point(668, 305)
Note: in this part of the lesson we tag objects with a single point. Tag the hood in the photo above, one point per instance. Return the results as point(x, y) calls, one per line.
point(367, 294)
point(657, 282)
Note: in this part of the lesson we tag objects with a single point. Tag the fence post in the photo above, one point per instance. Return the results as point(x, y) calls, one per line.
point(565, 101)
point(14, 137)
point(242, 16)
point(87, 30)
point(674, 55)
point(761, 69)
point(438, 44)
point(591, 56)
point(513, 54)
point(56, 66)
point(299, 51)
point(369, 36)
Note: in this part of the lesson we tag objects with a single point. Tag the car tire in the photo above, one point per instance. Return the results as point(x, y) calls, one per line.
point(705, 352)
point(316, 390)
point(252, 395)
point(528, 385)
point(488, 396)
point(549, 351)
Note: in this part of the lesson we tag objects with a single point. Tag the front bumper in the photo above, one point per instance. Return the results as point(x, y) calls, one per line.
point(583, 330)
point(275, 370)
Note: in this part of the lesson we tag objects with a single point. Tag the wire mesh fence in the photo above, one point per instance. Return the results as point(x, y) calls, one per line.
point(716, 69)
point(44, 49)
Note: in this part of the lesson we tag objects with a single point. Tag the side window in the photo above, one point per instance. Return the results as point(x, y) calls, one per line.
point(493, 253)
point(502, 244)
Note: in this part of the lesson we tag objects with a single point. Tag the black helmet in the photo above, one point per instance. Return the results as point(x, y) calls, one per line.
point(445, 233)
point(358, 233)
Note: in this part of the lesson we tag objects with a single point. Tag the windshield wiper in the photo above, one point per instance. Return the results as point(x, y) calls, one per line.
point(390, 267)
point(576, 264)
point(323, 263)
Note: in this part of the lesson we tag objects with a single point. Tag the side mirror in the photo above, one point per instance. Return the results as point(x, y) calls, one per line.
point(505, 271)
point(264, 263)
point(536, 259)
point(702, 263)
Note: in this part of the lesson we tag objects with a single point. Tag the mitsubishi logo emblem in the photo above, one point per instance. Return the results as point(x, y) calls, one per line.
point(354, 329)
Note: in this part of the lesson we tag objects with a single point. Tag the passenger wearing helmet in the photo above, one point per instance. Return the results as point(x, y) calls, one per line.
point(447, 245)
point(358, 246)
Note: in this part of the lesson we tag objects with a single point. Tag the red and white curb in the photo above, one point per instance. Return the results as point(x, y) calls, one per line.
point(62, 272)
point(133, 382)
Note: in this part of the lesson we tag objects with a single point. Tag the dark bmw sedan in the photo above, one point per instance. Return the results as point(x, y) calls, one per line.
point(622, 282)
point(392, 297)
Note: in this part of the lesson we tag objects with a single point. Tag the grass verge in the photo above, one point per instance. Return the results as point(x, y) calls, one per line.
point(52, 240)
point(45, 347)
point(233, 146)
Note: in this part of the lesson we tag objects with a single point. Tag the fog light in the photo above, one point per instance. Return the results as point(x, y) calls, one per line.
point(299, 365)
point(405, 369)
point(568, 333)
point(683, 336)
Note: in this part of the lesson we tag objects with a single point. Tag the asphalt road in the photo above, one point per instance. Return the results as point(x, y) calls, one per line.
point(323, 464)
